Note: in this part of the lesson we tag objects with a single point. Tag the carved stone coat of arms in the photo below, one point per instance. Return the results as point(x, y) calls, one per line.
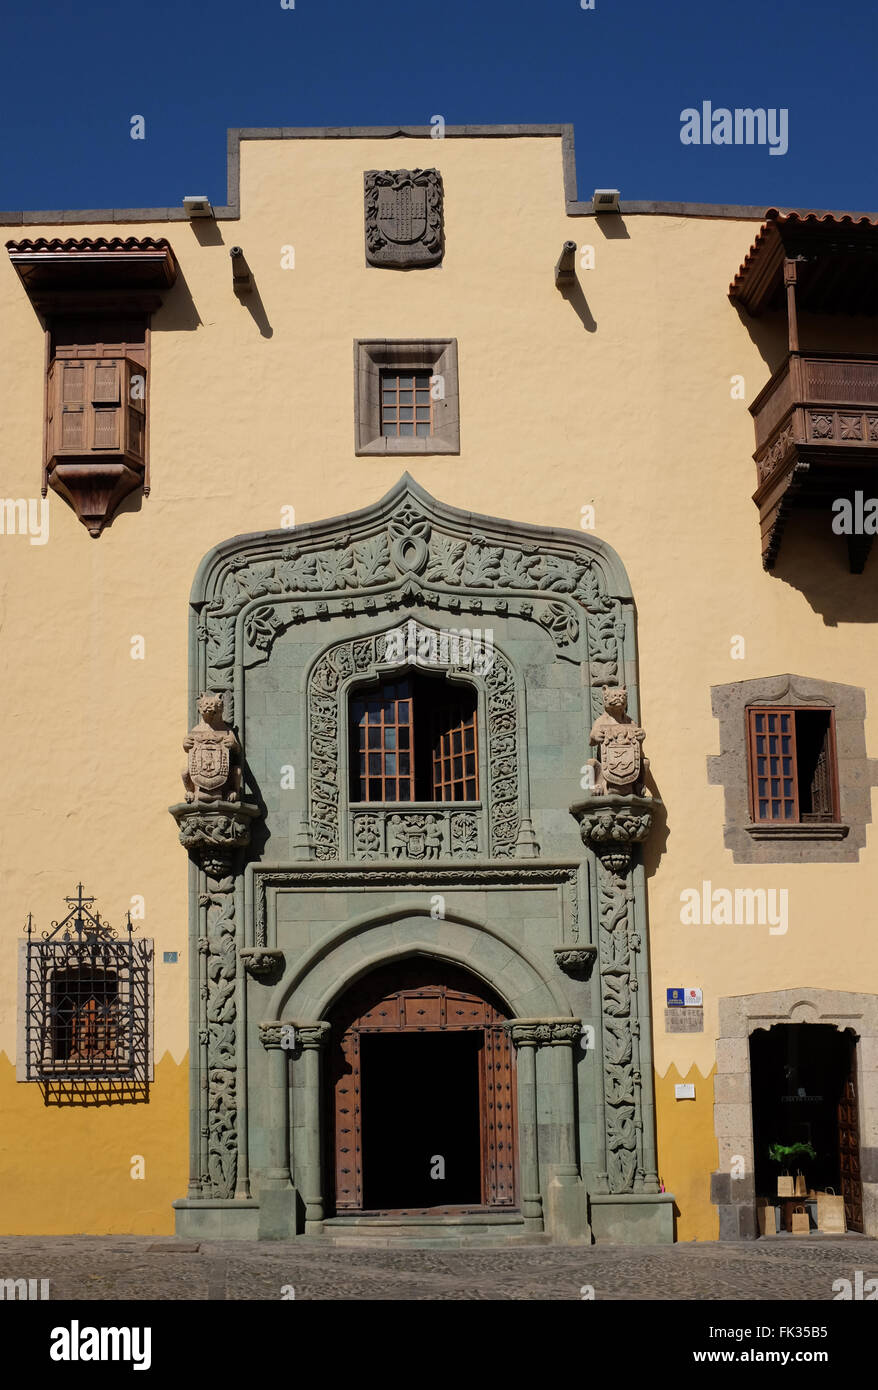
point(403, 217)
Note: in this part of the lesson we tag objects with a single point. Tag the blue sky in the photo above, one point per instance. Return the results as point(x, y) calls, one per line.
point(73, 75)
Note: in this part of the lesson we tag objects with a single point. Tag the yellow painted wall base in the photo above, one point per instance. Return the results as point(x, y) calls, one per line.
point(688, 1151)
point(67, 1170)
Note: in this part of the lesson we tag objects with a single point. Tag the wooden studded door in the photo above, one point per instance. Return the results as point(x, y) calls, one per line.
point(454, 1094)
point(849, 1146)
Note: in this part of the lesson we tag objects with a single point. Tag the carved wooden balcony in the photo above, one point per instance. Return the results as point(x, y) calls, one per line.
point(816, 441)
point(817, 419)
point(95, 296)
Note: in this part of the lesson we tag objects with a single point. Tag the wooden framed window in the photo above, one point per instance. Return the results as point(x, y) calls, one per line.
point(406, 404)
point(382, 722)
point(792, 764)
point(85, 1015)
point(414, 739)
point(454, 753)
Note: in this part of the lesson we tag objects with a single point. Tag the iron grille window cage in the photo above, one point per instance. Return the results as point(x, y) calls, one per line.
point(87, 1016)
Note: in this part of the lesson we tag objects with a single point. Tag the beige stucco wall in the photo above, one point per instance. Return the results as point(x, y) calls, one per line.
point(635, 418)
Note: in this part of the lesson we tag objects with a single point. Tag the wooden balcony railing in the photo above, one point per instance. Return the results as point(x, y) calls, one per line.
point(816, 436)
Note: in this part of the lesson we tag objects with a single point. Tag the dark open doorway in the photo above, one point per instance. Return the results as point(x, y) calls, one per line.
point(422, 1108)
point(803, 1087)
point(421, 1142)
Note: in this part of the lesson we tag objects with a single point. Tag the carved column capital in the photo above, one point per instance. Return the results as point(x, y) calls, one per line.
point(577, 961)
point(271, 1035)
point(544, 1032)
point(260, 962)
point(214, 834)
point(312, 1035)
point(292, 1035)
point(611, 823)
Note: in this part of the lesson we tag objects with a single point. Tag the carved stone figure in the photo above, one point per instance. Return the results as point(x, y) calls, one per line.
point(433, 837)
point(403, 217)
point(621, 766)
point(397, 837)
point(213, 772)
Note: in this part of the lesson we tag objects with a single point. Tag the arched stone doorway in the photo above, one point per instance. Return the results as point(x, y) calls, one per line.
point(421, 1094)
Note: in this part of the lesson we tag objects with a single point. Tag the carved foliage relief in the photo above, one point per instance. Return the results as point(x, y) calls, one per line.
point(409, 561)
point(618, 944)
point(217, 1031)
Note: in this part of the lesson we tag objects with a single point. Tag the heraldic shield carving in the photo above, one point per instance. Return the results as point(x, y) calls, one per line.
point(403, 217)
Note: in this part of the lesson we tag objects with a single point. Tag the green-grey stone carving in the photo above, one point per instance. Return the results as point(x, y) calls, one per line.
point(510, 886)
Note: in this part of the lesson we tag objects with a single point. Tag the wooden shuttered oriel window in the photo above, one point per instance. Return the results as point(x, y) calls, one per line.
point(96, 406)
point(793, 774)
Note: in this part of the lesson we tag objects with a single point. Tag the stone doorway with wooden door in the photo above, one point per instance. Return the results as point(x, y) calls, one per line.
point(422, 1095)
point(804, 1092)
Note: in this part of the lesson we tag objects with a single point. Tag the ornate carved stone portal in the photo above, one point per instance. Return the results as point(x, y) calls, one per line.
point(404, 217)
point(293, 634)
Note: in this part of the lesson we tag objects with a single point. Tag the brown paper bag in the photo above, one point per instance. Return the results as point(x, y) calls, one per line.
point(801, 1189)
point(801, 1224)
point(785, 1185)
point(766, 1215)
point(830, 1212)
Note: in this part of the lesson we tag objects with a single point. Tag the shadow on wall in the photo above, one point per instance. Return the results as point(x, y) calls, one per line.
point(578, 302)
point(252, 300)
point(656, 842)
point(814, 560)
point(769, 335)
point(178, 313)
point(612, 226)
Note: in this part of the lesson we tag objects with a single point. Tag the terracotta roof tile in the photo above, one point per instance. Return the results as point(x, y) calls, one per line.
point(116, 243)
point(775, 219)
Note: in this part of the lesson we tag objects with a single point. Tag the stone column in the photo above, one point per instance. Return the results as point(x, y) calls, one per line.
point(310, 1038)
point(564, 1038)
point(273, 1037)
point(276, 1192)
point(525, 1041)
point(566, 1212)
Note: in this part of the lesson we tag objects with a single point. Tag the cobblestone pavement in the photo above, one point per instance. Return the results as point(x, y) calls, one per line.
point(146, 1267)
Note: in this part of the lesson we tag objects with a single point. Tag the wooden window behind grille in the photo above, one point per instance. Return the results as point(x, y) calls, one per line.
point(85, 1012)
point(414, 740)
point(406, 404)
point(792, 764)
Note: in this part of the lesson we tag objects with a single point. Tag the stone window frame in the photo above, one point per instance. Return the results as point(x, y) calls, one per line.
point(754, 842)
point(371, 356)
point(739, 1017)
point(480, 808)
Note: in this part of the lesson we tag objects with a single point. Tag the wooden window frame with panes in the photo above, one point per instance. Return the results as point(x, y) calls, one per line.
point(393, 384)
point(424, 760)
point(830, 814)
